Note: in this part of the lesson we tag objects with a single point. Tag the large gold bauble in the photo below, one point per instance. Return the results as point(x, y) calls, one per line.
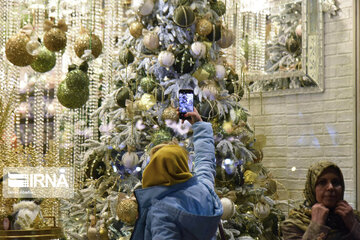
point(250, 177)
point(135, 29)
point(170, 113)
point(203, 27)
point(127, 211)
point(55, 39)
point(85, 42)
point(16, 52)
point(146, 102)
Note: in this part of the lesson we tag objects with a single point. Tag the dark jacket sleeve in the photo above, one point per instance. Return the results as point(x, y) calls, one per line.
point(204, 153)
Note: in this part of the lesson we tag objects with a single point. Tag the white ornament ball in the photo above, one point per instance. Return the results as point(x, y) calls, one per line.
point(220, 72)
point(166, 58)
point(228, 207)
point(144, 7)
point(198, 49)
point(151, 41)
point(298, 30)
point(130, 159)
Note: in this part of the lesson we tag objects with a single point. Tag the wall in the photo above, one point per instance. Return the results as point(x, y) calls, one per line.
point(302, 129)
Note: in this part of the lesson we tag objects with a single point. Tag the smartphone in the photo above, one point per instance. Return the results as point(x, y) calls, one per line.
point(186, 102)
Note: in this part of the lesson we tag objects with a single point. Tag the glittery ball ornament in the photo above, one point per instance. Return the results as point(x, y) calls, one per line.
point(55, 39)
point(147, 84)
point(203, 27)
point(151, 40)
point(170, 113)
point(250, 177)
point(228, 207)
point(219, 7)
point(161, 136)
point(127, 211)
point(72, 98)
point(15, 50)
point(45, 60)
point(77, 80)
point(86, 41)
point(135, 29)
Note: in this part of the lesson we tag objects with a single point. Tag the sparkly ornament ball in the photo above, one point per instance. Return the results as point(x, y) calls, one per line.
point(127, 211)
point(16, 52)
point(77, 80)
point(170, 113)
point(135, 29)
point(44, 61)
point(203, 27)
point(55, 39)
point(85, 42)
point(72, 98)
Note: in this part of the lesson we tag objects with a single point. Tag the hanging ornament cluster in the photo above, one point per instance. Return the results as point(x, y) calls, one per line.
point(73, 92)
point(55, 35)
point(16, 51)
point(87, 41)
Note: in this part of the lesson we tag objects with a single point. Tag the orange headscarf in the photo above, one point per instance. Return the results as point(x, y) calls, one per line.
point(168, 166)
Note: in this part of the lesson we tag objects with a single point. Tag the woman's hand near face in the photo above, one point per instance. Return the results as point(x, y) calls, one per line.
point(346, 212)
point(319, 213)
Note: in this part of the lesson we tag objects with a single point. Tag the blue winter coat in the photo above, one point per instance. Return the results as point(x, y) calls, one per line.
point(189, 210)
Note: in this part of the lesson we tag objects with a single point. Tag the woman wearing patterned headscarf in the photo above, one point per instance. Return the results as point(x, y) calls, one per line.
point(174, 204)
point(324, 214)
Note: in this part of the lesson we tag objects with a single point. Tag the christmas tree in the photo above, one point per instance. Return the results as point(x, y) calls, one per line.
point(170, 45)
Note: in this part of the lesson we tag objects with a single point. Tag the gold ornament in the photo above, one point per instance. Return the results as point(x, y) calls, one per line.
point(103, 232)
point(151, 40)
point(85, 42)
point(16, 52)
point(227, 38)
point(228, 127)
point(127, 211)
point(146, 102)
point(170, 113)
point(261, 210)
point(203, 27)
point(250, 177)
point(55, 37)
point(135, 29)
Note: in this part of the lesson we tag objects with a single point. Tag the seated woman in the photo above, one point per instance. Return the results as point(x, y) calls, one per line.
point(325, 214)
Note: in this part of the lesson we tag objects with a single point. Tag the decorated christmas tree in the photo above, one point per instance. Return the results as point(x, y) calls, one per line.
point(170, 45)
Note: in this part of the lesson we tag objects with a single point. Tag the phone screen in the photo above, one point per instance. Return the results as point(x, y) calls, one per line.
point(186, 102)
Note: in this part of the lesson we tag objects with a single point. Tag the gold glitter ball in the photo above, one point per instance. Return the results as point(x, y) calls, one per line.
point(55, 39)
point(170, 113)
point(127, 211)
point(16, 52)
point(203, 27)
point(84, 42)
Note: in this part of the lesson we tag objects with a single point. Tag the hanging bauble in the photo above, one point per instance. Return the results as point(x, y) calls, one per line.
point(166, 58)
point(209, 68)
point(207, 111)
point(220, 72)
point(55, 37)
point(271, 187)
point(121, 95)
point(184, 16)
point(228, 207)
point(170, 113)
point(292, 44)
point(77, 80)
point(261, 210)
point(95, 167)
point(151, 40)
point(215, 34)
point(143, 7)
point(127, 211)
point(219, 7)
point(126, 57)
point(148, 83)
point(298, 30)
point(85, 42)
point(15, 50)
point(146, 102)
point(203, 27)
point(103, 232)
point(184, 62)
point(198, 50)
point(228, 127)
point(135, 29)
point(72, 98)
point(130, 159)
point(33, 47)
point(250, 177)
point(161, 136)
point(227, 38)
point(44, 61)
